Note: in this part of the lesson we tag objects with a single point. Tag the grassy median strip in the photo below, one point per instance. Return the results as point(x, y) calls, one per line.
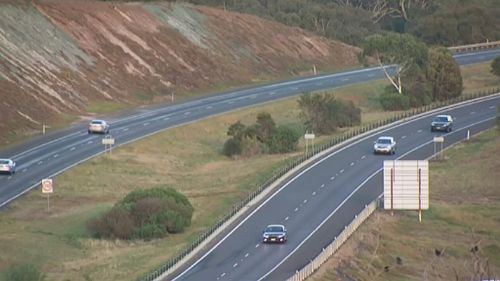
point(187, 158)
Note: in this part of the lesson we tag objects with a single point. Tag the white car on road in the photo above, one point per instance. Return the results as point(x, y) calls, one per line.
point(385, 145)
point(7, 166)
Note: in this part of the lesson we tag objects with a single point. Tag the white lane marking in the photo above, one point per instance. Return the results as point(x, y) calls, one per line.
point(352, 164)
point(305, 201)
point(319, 84)
point(246, 255)
point(73, 148)
point(187, 112)
point(24, 170)
point(371, 75)
point(145, 124)
point(341, 171)
point(272, 93)
point(345, 79)
point(90, 142)
point(403, 137)
point(235, 264)
point(257, 246)
point(294, 88)
point(492, 107)
point(472, 112)
point(332, 178)
point(323, 185)
point(208, 107)
point(296, 209)
point(287, 218)
point(166, 118)
point(230, 102)
point(40, 162)
point(314, 193)
point(9, 177)
point(223, 274)
point(419, 131)
point(55, 155)
point(253, 97)
point(363, 157)
point(125, 129)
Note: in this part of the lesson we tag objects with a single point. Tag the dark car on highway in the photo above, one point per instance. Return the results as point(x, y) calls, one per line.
point(442, 123)
point(274, 233)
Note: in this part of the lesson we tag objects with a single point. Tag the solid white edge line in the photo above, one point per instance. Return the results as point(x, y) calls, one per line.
point(352, 194)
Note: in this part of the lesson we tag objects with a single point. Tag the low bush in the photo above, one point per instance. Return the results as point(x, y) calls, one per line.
point(284, 140)
point(394, 101)
point(24, 272)
point(145, 214)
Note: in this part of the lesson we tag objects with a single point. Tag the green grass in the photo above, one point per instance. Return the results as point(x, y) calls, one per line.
point(101, 107)
point(187, 158)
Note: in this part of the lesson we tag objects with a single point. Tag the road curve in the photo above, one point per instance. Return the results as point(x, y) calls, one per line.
point(49, 155)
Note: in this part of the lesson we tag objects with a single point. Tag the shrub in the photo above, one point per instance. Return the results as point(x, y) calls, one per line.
point(250, 146)
point(145, 214)
point(495, 66)
point(232, 147)
point(283, 140)
point(394, 101)
point(24, 272)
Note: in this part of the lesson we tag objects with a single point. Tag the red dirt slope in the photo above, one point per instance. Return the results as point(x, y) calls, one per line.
point(57, 57)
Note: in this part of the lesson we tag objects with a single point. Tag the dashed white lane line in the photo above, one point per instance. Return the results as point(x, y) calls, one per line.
point(125, 129)
point(166, 118)
point(230, 102)
point(40, 162)
point(287, 218)
point(257, 246)
point(419, 131)
point(345, 79)
point(187, 113)
point(208, 107)
point(332, 178)
point(323, 185)
point(55, 155)
point(341, 171)
point(294, 88)
point(305, 201)
point(319, 84)
point(253, 97)
point(73, 148)
point(352, 164)
point(371, 75)
point(145, 124)
point(235, 264)
point(272, 93)
point(24, 170)
point(403, 137)
point(363, 157)
point(472, 112)
point(296, 209)
point(90, 142)
point(223, 274)
point(314, 193)
point(246, 255)
point(492, 107)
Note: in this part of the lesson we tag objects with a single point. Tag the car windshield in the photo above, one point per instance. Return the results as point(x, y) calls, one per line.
point(274, 229)
point(4, 161)
point(384, 141)
point(441, 119)
point(97, 122)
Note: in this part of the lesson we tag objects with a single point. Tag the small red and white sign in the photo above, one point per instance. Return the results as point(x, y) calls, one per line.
point(47, 186)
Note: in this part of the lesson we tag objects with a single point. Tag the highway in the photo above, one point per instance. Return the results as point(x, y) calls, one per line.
point(309, 199)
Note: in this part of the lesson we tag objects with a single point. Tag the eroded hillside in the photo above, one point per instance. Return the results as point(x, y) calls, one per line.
point(58, 57)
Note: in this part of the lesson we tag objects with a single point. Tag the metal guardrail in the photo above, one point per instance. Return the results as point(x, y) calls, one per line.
point(198, 244)
point(474, 47)
point(331, 249)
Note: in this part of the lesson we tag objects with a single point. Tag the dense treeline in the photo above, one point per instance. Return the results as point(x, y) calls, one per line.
point(435, 22)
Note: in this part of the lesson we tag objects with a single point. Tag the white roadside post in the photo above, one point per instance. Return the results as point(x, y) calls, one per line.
point(47, 188)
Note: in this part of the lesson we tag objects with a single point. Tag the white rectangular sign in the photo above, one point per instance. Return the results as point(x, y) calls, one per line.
point(438, 139)
point(406, 184)
point(47, 186)
point(309, 136)
point(108, 141)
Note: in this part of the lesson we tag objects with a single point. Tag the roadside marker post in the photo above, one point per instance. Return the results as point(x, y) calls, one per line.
point(47, 188)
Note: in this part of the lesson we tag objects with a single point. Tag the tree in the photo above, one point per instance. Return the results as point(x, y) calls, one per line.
point(444, 75)
point(236, 130)
point(495, 66)
point(283, 140)
point(265, 126)
point(403, 50)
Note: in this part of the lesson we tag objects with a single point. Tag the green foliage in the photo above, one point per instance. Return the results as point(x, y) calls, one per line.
point(284, 140)
point(236, 130)
point(495, 66)
point(498, 118)
point(265, 126)
point(232, 146)
point(24, 272)
point(251, 146)
point(323, 114)
point(145, 214)
point(444, 75)
point(391, 100)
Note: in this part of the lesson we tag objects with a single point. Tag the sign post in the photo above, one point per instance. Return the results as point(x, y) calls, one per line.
point(439, 140)
point(308, 137)
point(47, 188)
point(108, 142)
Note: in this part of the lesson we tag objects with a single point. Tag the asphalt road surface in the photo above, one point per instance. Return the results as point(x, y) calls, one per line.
point(308, 200)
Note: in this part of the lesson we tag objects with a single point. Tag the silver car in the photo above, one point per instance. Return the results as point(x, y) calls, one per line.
point(386, 145)
point(274, 233)
point(7, 166)
point(98, 126)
